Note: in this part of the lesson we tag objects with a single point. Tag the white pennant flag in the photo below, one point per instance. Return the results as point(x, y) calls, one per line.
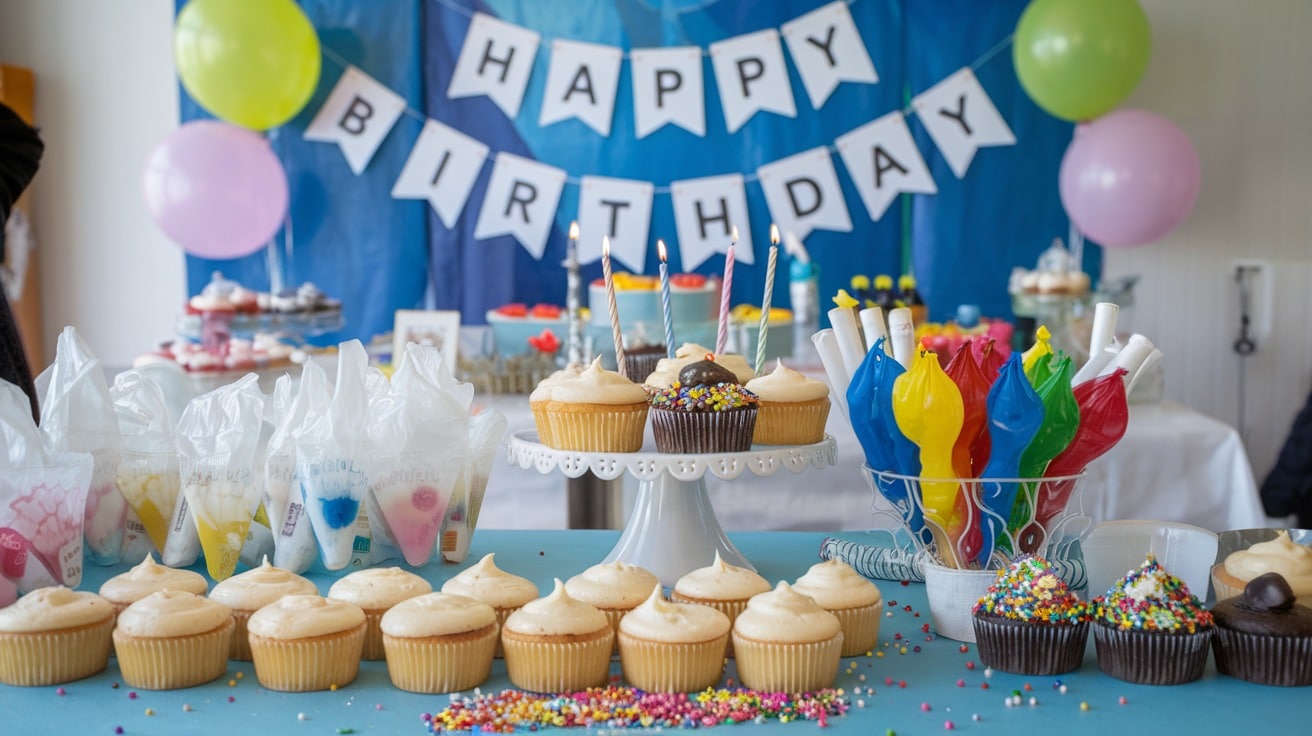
point(357, 116)
point(750, 72)
point(883, 161)
point(803, 193)
point(619, 209)
point(581, 83)
point(441, 168)
point(961, 119)
point(496, 61)
point(705, 212)
point(521, 200)
point(827, 50)
point(667, 88)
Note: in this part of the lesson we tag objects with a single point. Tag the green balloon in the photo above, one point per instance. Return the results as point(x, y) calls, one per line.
point(1078, 59)
point(253, 63)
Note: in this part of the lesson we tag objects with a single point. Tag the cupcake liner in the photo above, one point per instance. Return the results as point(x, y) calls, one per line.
point(441, 664)
point(613, 615)
point(730, 608)
point(372, 650)
point(638, 364)
point(303, 665)
point(1151, 657)
point(542, 420)
point(672, 667)
point(170, 663)
point(239, 649)
point(860, 628)
point(597, 427)
point(502, 615)
point(54, 657)
point(790, 423)
point(553, 664)
point(1225, 585)
point(1027, 648)
point(678, 431)
point(790, 667)
point(1262, 658)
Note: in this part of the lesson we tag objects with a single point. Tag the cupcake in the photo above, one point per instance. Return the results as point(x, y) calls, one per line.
point(641, 360)
point(706, 410)
point(541, 397)
point(1280, 555)
point(439, 643)
point(127, 588)
point(614, 588)
point(1149, 629)
point(785, 642)
point(486, 582)
point(792, 409)
point(375, 590)
point(557, 644)
point(672, 647)
point(1029, 622)
point(854, 600)
point(54, 635)
point(301, 643)
point(252, 590)
point(600, 411)
point(1264, 635)
point(667, 369)
point(173, 639)
point(722, 586)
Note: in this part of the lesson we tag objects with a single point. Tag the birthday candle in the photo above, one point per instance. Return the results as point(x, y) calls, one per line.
point(610, 306)
point(765, 302)
point(575, 343)
point(666, 317)
point(726, 287)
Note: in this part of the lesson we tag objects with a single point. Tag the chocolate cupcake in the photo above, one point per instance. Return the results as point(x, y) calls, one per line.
point(706, 410)
point(1264, 635)
point(1029, 622)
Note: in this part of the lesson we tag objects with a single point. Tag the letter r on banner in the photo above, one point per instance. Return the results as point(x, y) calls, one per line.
point(521, 200)
point(496, 61)
point(441, 168)
point(357, 116)
point(620, 209)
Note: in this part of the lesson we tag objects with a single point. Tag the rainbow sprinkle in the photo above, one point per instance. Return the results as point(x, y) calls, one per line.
point(720, 397)
point(626, 707)
point(1151, 599)
point(1030, 590)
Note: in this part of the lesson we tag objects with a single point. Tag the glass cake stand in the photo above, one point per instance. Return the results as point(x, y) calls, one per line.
point(673, 528)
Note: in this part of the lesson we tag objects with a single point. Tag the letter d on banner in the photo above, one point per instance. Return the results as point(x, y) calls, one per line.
point(803, 193)
point(357, 116)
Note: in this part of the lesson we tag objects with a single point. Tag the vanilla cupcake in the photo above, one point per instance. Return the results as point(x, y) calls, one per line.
point(375, 590)
point(785, 642)
point(1281, 555)
point(54, 635)
point(252, 590)
point(541, 396)
point(301, 643)
point(854, 600)
point(173, 639)
point(486, 582)
point(672, 647)
point(667, 369)
point(127, 588)
point(615, 588)
point(557, 644)
point(439, 643)
point(722, 586)
point(600, 411)
point(792, 409)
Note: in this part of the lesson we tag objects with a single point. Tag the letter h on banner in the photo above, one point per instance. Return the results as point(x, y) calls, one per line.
point(496, 61)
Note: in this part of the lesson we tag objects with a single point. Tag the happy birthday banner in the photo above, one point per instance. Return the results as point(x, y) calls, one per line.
point(802, 191)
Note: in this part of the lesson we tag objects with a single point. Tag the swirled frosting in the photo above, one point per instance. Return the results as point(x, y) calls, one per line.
point(596, 385)
point(437, 614)
point(1151, 599)
point(486, 582)
point(785, 385)
point(1030, 590)
point(667, 369)
point(543, 391)
point(558, 613)
point(613, 585)
point(170, 613)
point(721, 581)
point(377, 588)
point(657, 619)
point(303, 617)
point(259, 587)
point(1280, 555)
point(835, 585)
point(784, 615)
point(54, 608)
point(148, 577)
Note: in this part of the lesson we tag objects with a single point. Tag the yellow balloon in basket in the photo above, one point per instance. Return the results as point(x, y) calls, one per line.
point(253, 63)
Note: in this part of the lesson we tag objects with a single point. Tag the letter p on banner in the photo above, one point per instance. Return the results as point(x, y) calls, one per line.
point(357, 117)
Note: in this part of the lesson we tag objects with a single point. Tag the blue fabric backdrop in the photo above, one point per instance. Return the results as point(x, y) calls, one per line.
point(347, 234)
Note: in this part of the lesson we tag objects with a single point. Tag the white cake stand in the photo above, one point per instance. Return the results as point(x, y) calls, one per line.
point(673, 528)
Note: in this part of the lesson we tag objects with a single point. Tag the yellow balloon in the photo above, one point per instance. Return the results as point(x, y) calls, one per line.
point(253, 63)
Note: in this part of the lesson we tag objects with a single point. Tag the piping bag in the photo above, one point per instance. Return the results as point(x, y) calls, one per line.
point(974, 387)
point(148, 475)
point(1061, 420)
point(902, 451)
point(294, 547)
point(486, 430)
point(1015, 412)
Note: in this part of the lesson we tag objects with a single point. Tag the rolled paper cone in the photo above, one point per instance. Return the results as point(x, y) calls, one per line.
point(902, 333)
point(1098, 364)
point(872, 324)
point(826, 344)
point(1148, 362)
point(1132, 356)
point(1104, 327)
point(849, 338)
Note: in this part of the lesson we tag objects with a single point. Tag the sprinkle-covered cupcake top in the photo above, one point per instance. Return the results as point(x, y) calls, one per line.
point(717, 397)
point(1030, 590)
point(1151, 599)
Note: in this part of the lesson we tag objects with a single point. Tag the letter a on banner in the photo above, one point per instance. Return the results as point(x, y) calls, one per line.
point(827, 50)
point(620, 209)
point(521, 200)
point(961, 119)
point(496, 61)
point(667, 88)
point(357, 116)
point(705, 211)
point(750, 72)
point(803, 193)
point(441, 169)
point(581, 84)
point(883, 161)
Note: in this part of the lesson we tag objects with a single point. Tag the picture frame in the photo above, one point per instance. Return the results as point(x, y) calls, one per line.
point(438, 328)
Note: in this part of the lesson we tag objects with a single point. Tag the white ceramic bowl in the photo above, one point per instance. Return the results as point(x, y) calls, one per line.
point(952, 594)
point(1114, 548)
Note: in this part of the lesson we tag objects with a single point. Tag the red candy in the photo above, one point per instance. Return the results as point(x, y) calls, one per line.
point(688, 280)
point(513, 310)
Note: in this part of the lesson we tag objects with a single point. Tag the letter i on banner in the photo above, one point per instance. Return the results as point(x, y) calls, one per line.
point(705, 212)
point(803, 193)
point(750, 72)
point(357, 116)
point(581, 83)
point(961, 119)
point(496, 61)
point(882, 158)
point(827, 50)
point(441, 168)
point(619, 209)
point(521, 200)
point(667, 88)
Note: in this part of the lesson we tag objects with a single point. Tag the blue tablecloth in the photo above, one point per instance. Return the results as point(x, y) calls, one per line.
point(940, 674)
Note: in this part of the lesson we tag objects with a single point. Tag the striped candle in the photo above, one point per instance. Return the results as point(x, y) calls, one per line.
point(726, 287)
point(666, 315)
point(616, 335)
point(765, 302)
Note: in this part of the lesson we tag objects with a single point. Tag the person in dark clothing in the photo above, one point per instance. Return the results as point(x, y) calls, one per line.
point(1287, 489)
point(20, 155)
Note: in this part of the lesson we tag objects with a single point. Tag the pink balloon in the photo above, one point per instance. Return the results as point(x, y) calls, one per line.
point(1129, 178)
point(216, 190)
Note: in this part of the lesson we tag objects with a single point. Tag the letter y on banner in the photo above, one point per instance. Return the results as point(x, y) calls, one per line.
point(441, 168)
point(521, 200)
point(827, 49)
point(961, 119)
point(705, 212)
point(496, 61)
point(357, 116)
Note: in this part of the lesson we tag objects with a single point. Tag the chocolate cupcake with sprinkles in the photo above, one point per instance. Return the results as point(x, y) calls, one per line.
point(1029, 622)
point(1149, 629)
point(706, 410)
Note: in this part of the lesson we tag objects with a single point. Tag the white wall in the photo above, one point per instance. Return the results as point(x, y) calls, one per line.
point(1232, 76)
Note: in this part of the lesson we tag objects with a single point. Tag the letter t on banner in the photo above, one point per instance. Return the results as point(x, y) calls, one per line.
point(496, 61)
point(827, 49)
point(620, 209)
point(961, 119)
point(667, 88)
point(705, 212)
point(803, 193)
point(357, 116)
point(521, 200)
point(750, 72)
point(441, 169)
point(581, 83)
point(883, 161)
